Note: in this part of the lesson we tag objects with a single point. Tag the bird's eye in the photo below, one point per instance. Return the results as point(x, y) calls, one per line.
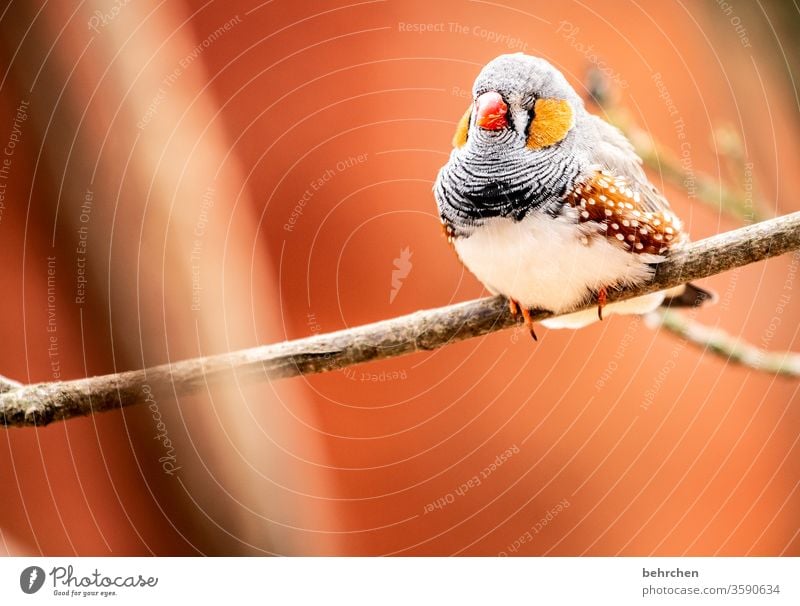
point(551, 120)
point(460, 138)
point(531, 116)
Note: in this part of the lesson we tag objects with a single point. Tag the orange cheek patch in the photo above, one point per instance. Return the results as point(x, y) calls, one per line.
point(460, 138)
point(551, 123)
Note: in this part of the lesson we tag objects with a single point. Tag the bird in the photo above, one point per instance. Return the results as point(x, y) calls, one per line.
point(549, 205)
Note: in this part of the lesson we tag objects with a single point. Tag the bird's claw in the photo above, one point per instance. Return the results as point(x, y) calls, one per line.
point(526, 314)
point(602, 296)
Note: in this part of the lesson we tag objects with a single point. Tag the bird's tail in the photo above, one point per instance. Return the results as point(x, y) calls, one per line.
point(688, 295)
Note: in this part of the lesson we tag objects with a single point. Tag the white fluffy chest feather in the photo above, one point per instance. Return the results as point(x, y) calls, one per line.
point(547, 263)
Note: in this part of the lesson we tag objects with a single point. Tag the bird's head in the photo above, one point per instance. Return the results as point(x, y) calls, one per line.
point(519, 101)
point(516, 146)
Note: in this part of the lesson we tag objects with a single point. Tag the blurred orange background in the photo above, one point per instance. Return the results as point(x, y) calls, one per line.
point(231, 174)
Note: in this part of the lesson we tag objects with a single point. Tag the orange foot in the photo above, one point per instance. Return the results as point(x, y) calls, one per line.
point(602, 295)
point(526, 313)
point(514, 307)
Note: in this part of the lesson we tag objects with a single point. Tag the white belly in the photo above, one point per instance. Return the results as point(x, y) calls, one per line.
point(542, 263)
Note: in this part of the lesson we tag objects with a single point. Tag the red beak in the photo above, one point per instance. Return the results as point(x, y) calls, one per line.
point(490, 111)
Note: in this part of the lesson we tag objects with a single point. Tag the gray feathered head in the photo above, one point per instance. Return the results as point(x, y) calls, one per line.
point(526, 95)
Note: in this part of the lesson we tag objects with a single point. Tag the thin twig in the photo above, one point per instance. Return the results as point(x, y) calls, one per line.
point(44, 403)
point(734, 349)
point(704, 188)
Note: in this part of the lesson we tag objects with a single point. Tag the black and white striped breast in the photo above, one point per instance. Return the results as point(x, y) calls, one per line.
point(493, 177)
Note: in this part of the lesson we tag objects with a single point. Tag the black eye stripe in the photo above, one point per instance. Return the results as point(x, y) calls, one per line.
point(531, 118)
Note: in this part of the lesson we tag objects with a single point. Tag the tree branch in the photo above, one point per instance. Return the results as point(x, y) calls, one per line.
point(43, 403)
point(7, 384)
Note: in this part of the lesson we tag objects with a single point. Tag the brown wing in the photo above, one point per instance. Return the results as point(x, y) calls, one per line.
point(620, 210)
point(615, 153)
